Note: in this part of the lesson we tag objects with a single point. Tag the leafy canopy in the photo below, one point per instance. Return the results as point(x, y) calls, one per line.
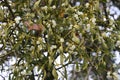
point(82, 35)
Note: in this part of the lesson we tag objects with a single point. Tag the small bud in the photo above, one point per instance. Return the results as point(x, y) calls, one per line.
point(17, 19)
point(62, 40)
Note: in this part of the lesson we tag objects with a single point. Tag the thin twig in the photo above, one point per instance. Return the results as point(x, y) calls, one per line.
point(64, 65)
point(2, 77)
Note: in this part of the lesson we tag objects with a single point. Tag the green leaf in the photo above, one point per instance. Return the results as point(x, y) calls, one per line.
point(50, 2)
point(61, 49)
point(97, 6)
point(61, 58)
point(85, 65)
point(54, 73)
point(77, 66)
point(44, 75)
point(1, 14)
point(36, 5)
point(17, 45)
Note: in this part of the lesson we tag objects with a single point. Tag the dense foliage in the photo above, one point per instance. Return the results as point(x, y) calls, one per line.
point(48, 37)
